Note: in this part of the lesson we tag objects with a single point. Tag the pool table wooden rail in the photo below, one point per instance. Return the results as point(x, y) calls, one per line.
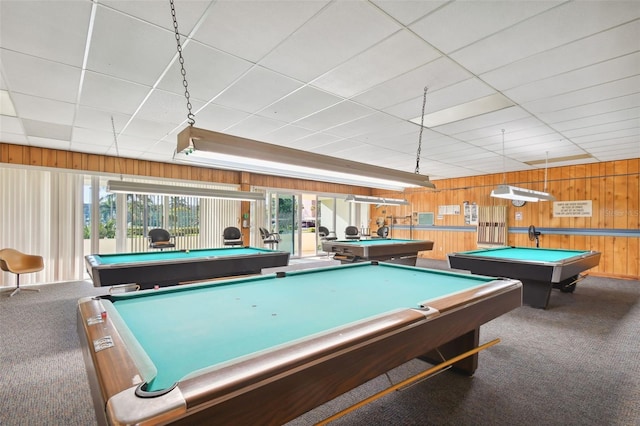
point(276, 386)
point(355, 251)
point(147, 274)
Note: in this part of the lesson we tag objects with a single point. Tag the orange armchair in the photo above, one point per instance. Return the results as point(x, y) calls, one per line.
point(20, 263)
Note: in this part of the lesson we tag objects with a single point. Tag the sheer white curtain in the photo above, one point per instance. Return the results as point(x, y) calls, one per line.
point(215, 215)
point(42, 213)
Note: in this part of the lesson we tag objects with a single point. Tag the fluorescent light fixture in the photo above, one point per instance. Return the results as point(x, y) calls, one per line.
point(514, 193)
point(559, 159)
point(123, 187)
point(474, 108)
point(213, 149)
point(6, 106)
point(376, 200)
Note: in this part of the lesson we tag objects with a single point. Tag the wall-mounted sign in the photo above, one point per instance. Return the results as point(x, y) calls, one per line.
point(572, 208)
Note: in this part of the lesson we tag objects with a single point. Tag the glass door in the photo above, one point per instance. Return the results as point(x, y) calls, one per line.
point(285, 221)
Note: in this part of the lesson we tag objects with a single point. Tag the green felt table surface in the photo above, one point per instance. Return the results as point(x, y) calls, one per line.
point(186, 328)
point(170, 255)
point(526, 253)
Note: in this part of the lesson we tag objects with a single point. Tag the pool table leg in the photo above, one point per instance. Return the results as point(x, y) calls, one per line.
point(454, 348)
point(536, 293)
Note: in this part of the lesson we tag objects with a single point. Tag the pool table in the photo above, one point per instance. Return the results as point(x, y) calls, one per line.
point(385, 249)
point(266, 349)
point(164, 268)
point(539, 269)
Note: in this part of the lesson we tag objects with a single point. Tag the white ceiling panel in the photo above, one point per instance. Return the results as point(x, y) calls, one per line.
point(343, 112)
point(555, 27)
point(408, 11)
point(111, 94)
point(92, 137)
point(286, 135)
point(365, 125)
point(90, 118)
point(251, 29)
point(257, 89)
point(592, 109)
point(255, 127)
point(46, 110)
point(25, 75)
point(188, 12)
point(610, 90)
point(51, 30)
point(341, 77)
point(321, 44)
point(618, 120)
point(593, 75)
point(218, 118)
point(600, 47)
point(435, 75)
point(167, 107)
point(209, 72)
point(390, 58)
point(467, 22)
point(456, 94)
point(300, 104)
point(49, 143)
point(127, 48)
point(10, 124)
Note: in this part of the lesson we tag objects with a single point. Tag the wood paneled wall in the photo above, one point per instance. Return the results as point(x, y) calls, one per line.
point(52, 158)
point(613, 187)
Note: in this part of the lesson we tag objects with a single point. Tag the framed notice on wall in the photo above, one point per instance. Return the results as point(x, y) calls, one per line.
point(572, 208)
point(424, 218)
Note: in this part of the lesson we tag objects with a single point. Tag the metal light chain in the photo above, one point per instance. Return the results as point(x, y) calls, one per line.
point(190, 116)
point(424, 103)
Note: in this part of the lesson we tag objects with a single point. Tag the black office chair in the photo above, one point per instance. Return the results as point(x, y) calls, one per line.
point(352, 233)
point(383, 232)
point(326, 235)
point(269, 238)
point(160, 239)
point(231, 236)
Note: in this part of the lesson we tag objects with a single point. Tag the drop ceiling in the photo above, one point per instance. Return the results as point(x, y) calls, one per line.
point(340, 78)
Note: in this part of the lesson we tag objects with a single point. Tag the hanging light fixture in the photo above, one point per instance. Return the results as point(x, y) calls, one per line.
point(124, 187)
point(381, 201)
point(213, 149)
point(424, 104)
point(515, 193)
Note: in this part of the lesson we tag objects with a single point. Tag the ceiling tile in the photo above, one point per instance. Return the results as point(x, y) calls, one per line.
point(257, 89)
point(557, 26)
point(299, 104)
point(159, 13)
point(435, 75)
point(46, 110)
point(46, 29)
point(320, 44)
point(408, 11)
point(218, 118)
point(111, 94)
point(251, 29)
point(24, 74)
point(208, 72)
point(255, 127)
point(334, 115)
point(136, 51)
point(166, 107)
point(394, 56)
point(605, 72)
point(467, 22)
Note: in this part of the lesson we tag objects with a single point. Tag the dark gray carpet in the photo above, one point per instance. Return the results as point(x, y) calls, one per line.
point(576, 363)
